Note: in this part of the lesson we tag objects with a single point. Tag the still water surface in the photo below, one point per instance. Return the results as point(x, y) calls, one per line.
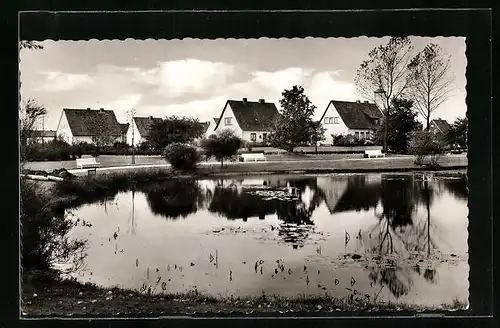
point(385, 237)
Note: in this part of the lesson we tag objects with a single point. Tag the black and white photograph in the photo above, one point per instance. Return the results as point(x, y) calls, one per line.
point(251, 175)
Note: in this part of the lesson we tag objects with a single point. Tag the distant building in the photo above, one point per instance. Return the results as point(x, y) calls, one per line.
point(250, 120)
point(211, 127)
point(439, 127)
point(139, 129)
point(124, 129)
point(75, 125)
point(43, 136)
point(358, 118)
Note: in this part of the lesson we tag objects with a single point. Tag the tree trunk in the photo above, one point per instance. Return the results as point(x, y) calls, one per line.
point(386, 132)
point(222, 163)
point(428, 119)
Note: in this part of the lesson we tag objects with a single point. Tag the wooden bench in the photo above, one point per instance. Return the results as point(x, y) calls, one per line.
point(374, 153)
point(88, 162)
point(253, 157)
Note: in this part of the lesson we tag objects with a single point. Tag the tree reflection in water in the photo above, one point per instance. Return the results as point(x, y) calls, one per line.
point(174, 198)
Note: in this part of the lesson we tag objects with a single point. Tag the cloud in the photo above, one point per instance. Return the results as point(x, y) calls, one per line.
point(59, 81)
point(192, 76)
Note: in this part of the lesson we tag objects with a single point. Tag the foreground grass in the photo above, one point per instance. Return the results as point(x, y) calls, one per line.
point(49, 297)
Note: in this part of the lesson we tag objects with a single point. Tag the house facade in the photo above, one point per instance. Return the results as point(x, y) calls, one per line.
point(43, 136)
point(249, 120)
point(439, 127)
point(211, 127)
point(138, 130)
point(358, 118)
point(81, 125)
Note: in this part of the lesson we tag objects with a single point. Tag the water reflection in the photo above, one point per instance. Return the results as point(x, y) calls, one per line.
point(392, 220)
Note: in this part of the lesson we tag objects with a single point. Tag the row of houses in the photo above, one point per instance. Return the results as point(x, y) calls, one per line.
point(250, 120)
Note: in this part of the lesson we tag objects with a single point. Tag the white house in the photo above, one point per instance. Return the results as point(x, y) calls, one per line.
point(250, 120)
point(75, 125)
point(211, 127)
point(43, 136)
point(356, 118)
point(138, 130)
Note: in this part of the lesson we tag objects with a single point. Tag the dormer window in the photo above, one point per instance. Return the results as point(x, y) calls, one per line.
point(228, 121)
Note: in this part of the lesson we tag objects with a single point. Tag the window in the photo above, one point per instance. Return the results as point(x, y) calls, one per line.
point(362, 135)
point(331, 120)
point(253, 136)
point(327, 120)
point(356, 134)
point(336, 120)
point(227, 121)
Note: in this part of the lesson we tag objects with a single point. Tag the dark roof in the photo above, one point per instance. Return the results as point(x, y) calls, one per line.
point(442, 125)
point(144, 123)
point(124, 127)
point(205, 126)
point(80, 119)
point(216, 120)
point(252, 115)
point(44, 133)
point(356, 115)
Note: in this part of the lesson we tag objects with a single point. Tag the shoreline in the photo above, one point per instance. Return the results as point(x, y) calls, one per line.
point(53, 298)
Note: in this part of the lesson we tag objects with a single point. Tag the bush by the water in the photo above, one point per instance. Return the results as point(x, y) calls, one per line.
point(182, 156)
point(44, 231)
point(54, 150)
point(423, 144)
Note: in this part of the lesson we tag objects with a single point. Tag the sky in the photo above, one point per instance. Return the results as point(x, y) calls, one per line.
point(194, 77)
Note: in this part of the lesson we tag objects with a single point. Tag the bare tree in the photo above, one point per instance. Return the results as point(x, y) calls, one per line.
point(29, 113)
point(384, 76)
point(99, 130)
point(431, 80)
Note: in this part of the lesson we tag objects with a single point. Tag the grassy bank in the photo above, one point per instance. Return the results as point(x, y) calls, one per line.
point(55, 298)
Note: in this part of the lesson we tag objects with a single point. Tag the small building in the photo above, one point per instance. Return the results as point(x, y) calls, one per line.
point(250, 120)
point(81, 125)
point(211, 127)
point(357, 118)
point(139, 129)
point(42, 136)
point(439, 127)
point(124, 129)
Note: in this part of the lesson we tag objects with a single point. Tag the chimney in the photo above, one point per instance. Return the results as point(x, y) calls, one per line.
point(245, 100)
point(358, 101)
point(102, 109)
point(261, 101)
point(151, 117)
point(88, 108)
point(367, 102)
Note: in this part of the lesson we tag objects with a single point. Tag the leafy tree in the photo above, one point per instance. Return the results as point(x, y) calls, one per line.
point(386, 71)
point(29, 45)
point(174, 129)
point(294, 125)
point(402, 120)
point(182, 156)
point(431, 81)
point(457, 133)
point(223, 145)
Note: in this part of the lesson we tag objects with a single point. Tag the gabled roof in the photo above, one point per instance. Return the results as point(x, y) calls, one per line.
point(205, 125)
point(252, 115)
point(44, 133)
point(144, 123)
point(356, 115)
point(124, 127)
point(441, 124)
point(80, 120)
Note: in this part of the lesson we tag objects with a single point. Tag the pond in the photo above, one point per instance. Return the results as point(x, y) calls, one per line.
point(385, 237)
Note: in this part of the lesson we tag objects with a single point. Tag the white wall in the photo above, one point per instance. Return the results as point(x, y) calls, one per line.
point(137, 136)
point(210, 129)
point(63, 131)
point(334, 128)
point(234, 126)
point(246, 135)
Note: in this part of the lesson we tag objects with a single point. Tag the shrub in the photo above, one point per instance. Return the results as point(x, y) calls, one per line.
point(423, 144)
point(181, 156)
point(222, 146)
point(44, 232)
point(348, 140)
